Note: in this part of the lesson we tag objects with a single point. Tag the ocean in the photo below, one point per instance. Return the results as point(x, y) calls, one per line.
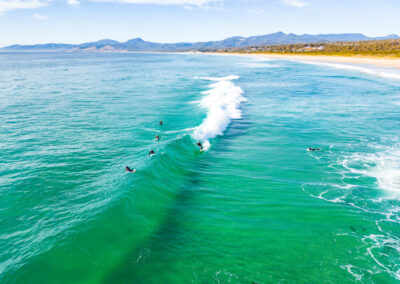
point(254, 207)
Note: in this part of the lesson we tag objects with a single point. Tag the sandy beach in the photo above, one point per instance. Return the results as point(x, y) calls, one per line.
point(377, 61)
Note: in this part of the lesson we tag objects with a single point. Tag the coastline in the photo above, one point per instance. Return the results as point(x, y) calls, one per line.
point(376, 61)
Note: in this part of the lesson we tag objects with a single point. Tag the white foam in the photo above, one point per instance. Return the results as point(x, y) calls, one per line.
point(222, 103)
point(259, 65)
point(370, 71)
point(168, 132)
point(350, 268)
point(376, 251)
point(179, 131)
point(262, 58)
point(216, 79)
point(384, 166)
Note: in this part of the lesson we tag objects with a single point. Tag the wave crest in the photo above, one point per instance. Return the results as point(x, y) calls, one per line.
point(370, 71)
point(222, 102)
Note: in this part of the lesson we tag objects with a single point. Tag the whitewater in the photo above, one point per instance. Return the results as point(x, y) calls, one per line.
point(222, 103)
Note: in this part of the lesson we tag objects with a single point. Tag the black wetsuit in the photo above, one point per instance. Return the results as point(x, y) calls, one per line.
point(128, 169)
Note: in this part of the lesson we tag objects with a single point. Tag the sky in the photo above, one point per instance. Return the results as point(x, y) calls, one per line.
point(78, 21)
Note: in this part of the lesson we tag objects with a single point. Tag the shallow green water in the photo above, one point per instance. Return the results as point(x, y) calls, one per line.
point(255, 207)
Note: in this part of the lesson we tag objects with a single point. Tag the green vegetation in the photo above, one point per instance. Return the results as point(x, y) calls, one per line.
point(382, 48)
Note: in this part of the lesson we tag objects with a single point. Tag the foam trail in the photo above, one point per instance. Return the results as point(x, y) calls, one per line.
point(384, 166)
point(169, 131)
point(222, 102)
point(259, 65)
point(356, 68)
point(216, 79)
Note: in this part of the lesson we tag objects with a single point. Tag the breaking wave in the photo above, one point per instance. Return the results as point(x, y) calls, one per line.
point(365, 70)
point(222, 103)
point(384, 166)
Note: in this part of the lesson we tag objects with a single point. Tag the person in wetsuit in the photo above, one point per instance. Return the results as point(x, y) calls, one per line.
point(200, 145)
point(128, 169)
point(151, 152)
point(313, 149)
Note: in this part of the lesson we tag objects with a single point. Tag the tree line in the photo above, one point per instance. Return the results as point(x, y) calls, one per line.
point(366, 48)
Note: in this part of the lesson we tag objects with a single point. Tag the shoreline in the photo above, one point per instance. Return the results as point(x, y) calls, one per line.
point(376, 61)
point(385, 62)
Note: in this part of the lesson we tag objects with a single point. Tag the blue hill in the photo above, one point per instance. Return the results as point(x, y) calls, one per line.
point(138, 44)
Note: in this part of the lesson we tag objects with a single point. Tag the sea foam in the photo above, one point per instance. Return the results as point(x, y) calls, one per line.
point(370, 71)
point(259, 65)
point(222, 103)
point(384, 166)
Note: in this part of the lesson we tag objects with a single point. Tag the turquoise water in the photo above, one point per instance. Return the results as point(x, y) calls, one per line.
point(254, 207)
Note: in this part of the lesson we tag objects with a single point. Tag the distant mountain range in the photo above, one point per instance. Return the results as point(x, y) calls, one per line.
point(138, 44)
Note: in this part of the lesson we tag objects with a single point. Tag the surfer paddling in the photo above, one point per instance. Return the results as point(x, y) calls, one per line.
point(151, 153)
point(129, 170)
point(313, 149)
point(200, 145)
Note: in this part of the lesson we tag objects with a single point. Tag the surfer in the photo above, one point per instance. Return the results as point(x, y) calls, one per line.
point(151, 152)
point(129, 170)
point(313, 149)
point(161, 123)
point(200, 145)
point(157, 137)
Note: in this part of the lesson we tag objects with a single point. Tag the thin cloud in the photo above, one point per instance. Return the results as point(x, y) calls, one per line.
point(73, 2)
point(37, 16)
point(199, 3)
point(296, 3)
point(256, 11)
point(8, 5)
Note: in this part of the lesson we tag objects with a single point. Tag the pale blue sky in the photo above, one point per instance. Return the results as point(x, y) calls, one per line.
point(76, 21)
